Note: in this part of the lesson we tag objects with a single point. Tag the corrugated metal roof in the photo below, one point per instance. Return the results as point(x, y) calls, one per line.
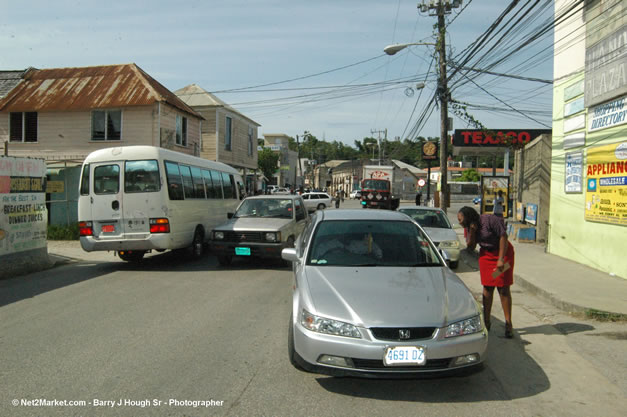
point(196, 97)
point(84, 88)
point(8, 80)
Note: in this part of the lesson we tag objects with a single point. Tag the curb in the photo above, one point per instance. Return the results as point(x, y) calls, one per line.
point(567, 306)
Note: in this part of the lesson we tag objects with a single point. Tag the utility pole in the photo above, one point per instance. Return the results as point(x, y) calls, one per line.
point(372, 132)
point(441, 8)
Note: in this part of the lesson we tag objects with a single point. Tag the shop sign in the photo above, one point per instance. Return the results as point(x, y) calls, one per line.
point(606, 68)
point(23, 213)
point(574, 172)
point(613, 113)
point(606, 184)
point(495, 138)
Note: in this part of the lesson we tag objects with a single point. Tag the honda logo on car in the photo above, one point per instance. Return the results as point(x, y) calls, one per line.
point(403, 334)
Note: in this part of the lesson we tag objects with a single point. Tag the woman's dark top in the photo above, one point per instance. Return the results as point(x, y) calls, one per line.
point(490, 230)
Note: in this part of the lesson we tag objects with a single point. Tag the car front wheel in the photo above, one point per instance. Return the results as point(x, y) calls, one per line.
point(290, 346)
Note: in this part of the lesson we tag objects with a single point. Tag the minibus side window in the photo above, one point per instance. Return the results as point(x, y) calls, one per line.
point(228, 186)
point(107, 179)
point(85, 180)
point(141, 176)
point(175, 184)
point(208, 184)
point(217, 184)
point(187, 181)
point(199, 187)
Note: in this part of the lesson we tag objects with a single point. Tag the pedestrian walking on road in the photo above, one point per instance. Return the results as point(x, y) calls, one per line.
point(418, 197)
point(496, 260)
point(337, 199)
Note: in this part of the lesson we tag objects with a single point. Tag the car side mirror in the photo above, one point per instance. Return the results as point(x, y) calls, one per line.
point(289, 254)
point(229, 215)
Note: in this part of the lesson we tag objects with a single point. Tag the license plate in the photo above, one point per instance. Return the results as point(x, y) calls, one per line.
point(108, 228)
point(405, 355)
point(242, 251)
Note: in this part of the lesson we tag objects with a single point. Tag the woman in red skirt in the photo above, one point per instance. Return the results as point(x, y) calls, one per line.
point(488, 231)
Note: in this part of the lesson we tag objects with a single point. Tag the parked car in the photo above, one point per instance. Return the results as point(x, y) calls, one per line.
point(355, 194)
point(260, 227)
point(373, 297)
point(271, 188)
point(437, 225)
point(280, 190)
point(317, 201)
point(477, 200)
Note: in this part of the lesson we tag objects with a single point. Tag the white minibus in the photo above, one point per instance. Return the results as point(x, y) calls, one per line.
point(134, 199)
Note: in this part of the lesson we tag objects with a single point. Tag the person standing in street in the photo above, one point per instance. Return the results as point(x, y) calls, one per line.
point(499, 204)
point(496, 260)
point(337, 199)
point(418, 197)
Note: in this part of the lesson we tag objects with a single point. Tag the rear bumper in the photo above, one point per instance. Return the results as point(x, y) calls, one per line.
point(259, 250)
point(144, 241)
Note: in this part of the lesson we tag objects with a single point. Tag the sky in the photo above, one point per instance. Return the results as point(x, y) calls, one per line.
point(343, 86)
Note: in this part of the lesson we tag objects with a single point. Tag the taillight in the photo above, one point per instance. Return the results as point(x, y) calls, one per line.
point(85, 229)
point(161, 225)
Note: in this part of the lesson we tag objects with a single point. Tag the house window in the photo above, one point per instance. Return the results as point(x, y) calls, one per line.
point(181, 130)
point(106, 125)
point(227, 137)
point(250, 141)
point(23, 127)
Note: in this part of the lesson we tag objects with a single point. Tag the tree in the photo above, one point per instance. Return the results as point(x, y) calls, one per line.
point(469, 175)
point(267, 161)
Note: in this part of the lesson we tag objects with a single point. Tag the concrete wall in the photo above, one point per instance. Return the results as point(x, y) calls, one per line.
point(536, 181)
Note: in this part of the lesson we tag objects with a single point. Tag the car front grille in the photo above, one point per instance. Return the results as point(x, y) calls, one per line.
point(394, 333)
point(242, 236)
point(377, 364)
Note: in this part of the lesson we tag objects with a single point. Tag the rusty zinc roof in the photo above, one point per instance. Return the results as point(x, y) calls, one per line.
point(84, 88)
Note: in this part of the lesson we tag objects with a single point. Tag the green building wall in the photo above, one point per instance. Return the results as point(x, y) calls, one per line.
point(598, 245)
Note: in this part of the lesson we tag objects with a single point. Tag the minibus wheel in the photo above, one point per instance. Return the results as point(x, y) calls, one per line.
point(198, 246)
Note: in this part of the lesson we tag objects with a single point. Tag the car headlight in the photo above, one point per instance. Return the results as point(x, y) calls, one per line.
point(468, 326)
point(218, 235)
point(449, 244)
point(272, 237)
point(328, 326)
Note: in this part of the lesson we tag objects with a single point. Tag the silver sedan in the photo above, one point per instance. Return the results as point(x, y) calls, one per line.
point(373, 297)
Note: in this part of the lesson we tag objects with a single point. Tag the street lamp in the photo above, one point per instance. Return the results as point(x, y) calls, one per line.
point(443, 97)
point(392, 49)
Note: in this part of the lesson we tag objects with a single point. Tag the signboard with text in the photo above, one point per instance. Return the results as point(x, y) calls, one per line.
point(495, 137)
point(610, 114)
point(606, 184)
point(23, 213)
point(574, 172)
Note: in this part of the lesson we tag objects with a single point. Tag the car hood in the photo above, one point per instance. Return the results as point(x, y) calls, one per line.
point(438, 234)
point(389, 297)
point(254, 223)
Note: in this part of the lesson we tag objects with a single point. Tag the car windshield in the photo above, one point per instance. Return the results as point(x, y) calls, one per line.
point(370, 243)
point(375, 185)
point(428, 218)
point(281, 208)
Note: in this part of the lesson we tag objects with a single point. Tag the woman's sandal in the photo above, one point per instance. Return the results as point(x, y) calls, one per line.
point(509, 332)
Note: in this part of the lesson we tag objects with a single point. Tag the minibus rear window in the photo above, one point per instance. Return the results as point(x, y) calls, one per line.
point(141, 177)
point(107, 179)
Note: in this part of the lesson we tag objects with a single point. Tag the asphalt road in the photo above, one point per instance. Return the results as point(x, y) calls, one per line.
point(170, 335)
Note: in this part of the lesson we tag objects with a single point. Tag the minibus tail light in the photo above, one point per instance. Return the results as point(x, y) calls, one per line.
point(160, 225)
point(85, 229)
